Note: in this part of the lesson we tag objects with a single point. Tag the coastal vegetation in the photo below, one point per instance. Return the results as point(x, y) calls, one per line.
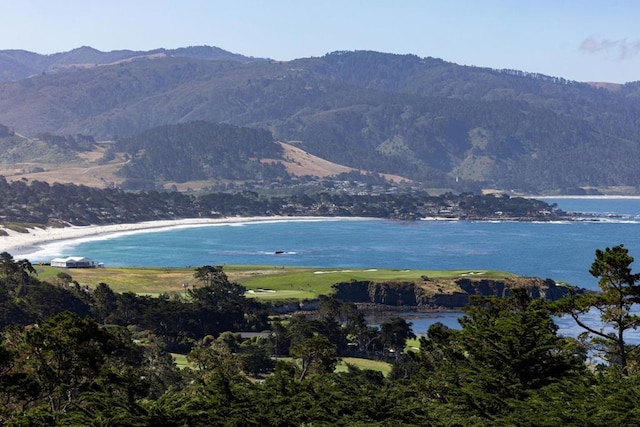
point(39, 203)
point(73, 355)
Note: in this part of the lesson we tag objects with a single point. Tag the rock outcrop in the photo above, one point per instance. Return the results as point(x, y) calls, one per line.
point(412, 294)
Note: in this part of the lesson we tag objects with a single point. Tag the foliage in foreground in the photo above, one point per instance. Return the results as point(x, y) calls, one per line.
point(506, 366)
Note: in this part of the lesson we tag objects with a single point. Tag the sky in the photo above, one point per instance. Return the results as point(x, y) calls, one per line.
point(583, 40)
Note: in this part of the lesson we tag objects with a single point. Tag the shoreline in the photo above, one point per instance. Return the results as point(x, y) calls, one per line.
point(37, 239)
point(26, 243)
point(592, 197)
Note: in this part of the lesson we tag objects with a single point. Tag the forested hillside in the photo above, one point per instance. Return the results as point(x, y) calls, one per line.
point(422, 118)
point(200, 151)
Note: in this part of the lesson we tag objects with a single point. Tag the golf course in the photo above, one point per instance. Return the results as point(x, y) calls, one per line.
point(263, 282)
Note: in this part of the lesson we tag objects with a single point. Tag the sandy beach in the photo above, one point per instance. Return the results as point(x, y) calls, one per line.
point(19, 243)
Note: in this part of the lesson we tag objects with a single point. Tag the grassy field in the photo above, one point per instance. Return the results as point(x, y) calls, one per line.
point(143, 281)
point(413, 344)
point(181, 360)
point(375, 365)
point(264, 282)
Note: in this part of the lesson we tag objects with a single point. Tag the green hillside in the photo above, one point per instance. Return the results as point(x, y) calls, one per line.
point(428, 120)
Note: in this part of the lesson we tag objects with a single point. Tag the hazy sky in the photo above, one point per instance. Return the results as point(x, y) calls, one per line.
point(584, 40)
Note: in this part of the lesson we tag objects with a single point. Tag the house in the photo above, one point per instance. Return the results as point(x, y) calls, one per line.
point(73, 262)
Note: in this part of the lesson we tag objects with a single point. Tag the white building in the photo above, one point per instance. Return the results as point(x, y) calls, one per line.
point(73, 262)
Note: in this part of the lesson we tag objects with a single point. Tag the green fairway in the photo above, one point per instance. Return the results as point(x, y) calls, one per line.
point(181, 360)
point(413, 344)
point(263, 282)
point(375, 365)
point(299, 282)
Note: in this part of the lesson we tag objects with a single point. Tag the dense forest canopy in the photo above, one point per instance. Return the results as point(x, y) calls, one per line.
point(70, 355)
point(200, 151)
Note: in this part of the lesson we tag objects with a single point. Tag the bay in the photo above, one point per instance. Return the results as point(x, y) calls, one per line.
point(562, 251)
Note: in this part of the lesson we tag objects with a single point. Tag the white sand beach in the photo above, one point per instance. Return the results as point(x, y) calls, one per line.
point(21, 243)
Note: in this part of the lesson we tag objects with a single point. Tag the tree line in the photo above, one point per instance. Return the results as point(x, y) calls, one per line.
point(506, 365)
point(40, 203)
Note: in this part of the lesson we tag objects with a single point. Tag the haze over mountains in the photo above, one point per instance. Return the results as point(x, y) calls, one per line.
point(425, 119)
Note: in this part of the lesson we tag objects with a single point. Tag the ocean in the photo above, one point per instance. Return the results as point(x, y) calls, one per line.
point(562, 251)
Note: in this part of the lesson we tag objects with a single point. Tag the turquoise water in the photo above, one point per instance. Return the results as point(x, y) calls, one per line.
point(562, 251)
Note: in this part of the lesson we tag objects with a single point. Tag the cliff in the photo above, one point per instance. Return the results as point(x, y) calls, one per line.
point(427, 294)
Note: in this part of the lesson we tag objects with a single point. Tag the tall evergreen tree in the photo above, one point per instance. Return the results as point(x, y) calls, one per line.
point(506, 348)
point(618, 296)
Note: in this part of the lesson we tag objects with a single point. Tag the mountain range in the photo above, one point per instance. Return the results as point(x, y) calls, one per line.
point(431, 122)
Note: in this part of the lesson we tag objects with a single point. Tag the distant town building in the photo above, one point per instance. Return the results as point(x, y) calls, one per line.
point(73, 262)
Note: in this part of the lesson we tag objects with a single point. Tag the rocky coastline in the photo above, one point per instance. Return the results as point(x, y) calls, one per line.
point(378, 297)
